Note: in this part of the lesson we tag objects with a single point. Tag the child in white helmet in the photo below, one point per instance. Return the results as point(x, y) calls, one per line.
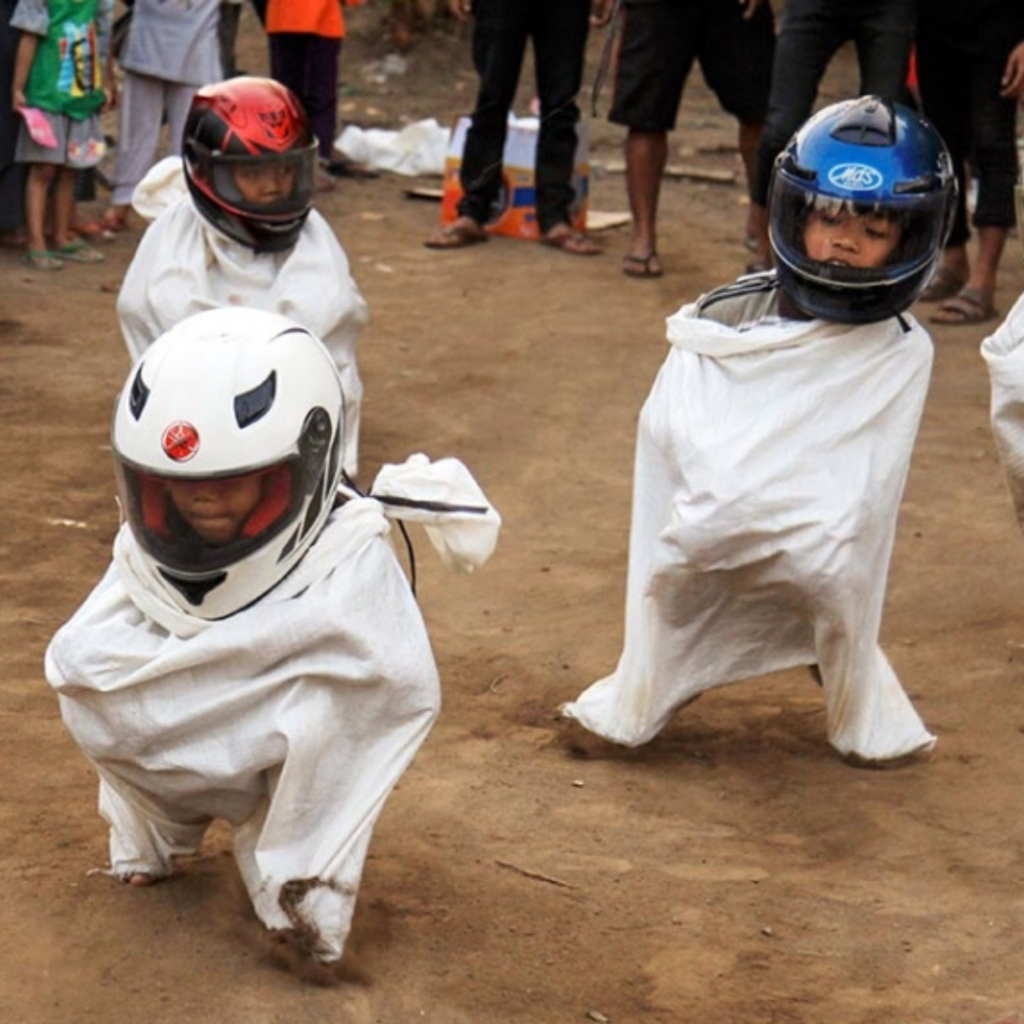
point(255, 653)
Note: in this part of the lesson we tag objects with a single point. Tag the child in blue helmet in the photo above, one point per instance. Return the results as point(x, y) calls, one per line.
point(774, 446)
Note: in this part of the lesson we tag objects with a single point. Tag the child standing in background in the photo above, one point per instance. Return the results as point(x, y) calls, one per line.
point(58, 78)
point(172, 49)
point(305, 38)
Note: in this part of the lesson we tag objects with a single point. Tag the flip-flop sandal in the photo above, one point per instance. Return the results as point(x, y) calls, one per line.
point(79, 252)
point(457, 236)
point(943, 285)
point(42, 259)
point(968, 306)
point(575, 243)
point(642, 266)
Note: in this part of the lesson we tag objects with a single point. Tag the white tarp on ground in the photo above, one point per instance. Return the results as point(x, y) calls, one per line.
point(418, 148)
point(769, 470)
point(183, 265)
point(292, 720)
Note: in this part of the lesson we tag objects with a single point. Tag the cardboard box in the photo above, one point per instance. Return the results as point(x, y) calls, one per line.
point(515, 212)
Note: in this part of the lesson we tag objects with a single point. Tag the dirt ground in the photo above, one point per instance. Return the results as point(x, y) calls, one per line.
point(734, 870)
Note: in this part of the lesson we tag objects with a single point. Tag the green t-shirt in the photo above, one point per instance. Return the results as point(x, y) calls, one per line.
point(66, 76)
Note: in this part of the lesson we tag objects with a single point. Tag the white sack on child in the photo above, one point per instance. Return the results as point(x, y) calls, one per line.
point(183, 266)
point(463, 527)
point(766, 493)
point(1004, 355)
point(163, 185)
point(292, 719)
point(419, 148)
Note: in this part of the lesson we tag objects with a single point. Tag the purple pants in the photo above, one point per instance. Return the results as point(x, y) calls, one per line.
point(308, 65)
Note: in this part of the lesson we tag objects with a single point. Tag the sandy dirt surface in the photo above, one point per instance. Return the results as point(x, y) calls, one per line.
point(734, 870)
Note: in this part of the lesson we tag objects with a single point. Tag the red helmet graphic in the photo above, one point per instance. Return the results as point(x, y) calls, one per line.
point(180, 441)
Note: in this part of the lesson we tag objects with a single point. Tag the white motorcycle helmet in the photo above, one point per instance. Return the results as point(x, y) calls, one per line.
point(227, 446)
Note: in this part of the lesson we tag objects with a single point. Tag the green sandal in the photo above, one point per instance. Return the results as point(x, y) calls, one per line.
point(41, 259)
point(79, 252)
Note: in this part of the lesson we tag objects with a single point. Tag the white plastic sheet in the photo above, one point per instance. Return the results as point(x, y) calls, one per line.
point(769, 469)
point(416, 149)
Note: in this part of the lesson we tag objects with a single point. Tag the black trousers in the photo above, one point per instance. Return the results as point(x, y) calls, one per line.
point(811, 33)
point(558, 30)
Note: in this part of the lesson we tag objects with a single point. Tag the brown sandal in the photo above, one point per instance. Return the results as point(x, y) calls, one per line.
point(457, 235)
point(575, 243)
point(943, 285)
point(968, 306)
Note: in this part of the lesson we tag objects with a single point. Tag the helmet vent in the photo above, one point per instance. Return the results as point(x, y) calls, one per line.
point(868, 123)
point(923, 185)
point(255, 404)
point(138, 396)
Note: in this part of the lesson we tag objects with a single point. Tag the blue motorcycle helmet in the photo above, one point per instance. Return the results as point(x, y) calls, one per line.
point(873, 159)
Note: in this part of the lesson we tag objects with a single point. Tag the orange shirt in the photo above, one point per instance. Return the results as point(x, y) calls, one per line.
point(316, 17)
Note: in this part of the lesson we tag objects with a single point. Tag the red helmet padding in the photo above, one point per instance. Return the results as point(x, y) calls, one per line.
point(277, 496)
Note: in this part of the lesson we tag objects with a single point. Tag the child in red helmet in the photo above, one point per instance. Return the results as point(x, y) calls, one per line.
point(232, 240)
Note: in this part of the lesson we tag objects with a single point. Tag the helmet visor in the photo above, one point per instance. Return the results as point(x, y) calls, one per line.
point(266, 187)
point(843, 242)
point(204, 524)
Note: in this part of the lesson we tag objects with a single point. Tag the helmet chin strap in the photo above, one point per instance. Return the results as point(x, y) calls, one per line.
point(194, 589)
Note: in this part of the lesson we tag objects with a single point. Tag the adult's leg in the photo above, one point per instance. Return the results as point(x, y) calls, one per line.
point(646, 156)
point(808, 38)
point(884, 39)
point(177, 101)
point(945, 89)
point(559, 30)
point(499, 42)
point(656, 52)
point(142, 108)
point(729, 41)
point(287, 52)
point(321, 87)
point(994, 162)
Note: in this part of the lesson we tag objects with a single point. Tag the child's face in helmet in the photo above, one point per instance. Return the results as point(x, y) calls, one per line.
point(850, 239)
point(264, 184)
point(216, 509)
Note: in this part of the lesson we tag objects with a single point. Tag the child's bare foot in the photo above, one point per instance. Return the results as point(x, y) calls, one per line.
point(139, 879)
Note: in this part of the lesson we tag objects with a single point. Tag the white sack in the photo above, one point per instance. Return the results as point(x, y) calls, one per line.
point(184, 266)
point(419, 148)
point(463, 527)
point(292, 720)
point(769, 470)
point(1004, 356)
point(163, 185)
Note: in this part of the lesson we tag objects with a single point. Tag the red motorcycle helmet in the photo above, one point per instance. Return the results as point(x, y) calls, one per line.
point(250, 158)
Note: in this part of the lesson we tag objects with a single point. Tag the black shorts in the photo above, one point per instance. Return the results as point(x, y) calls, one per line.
point(662, 38)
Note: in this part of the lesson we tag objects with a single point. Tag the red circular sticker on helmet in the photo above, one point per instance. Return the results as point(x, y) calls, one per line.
point(180, 441)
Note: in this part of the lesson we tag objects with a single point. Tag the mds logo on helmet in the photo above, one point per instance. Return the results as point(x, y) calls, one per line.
point(855, 177)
